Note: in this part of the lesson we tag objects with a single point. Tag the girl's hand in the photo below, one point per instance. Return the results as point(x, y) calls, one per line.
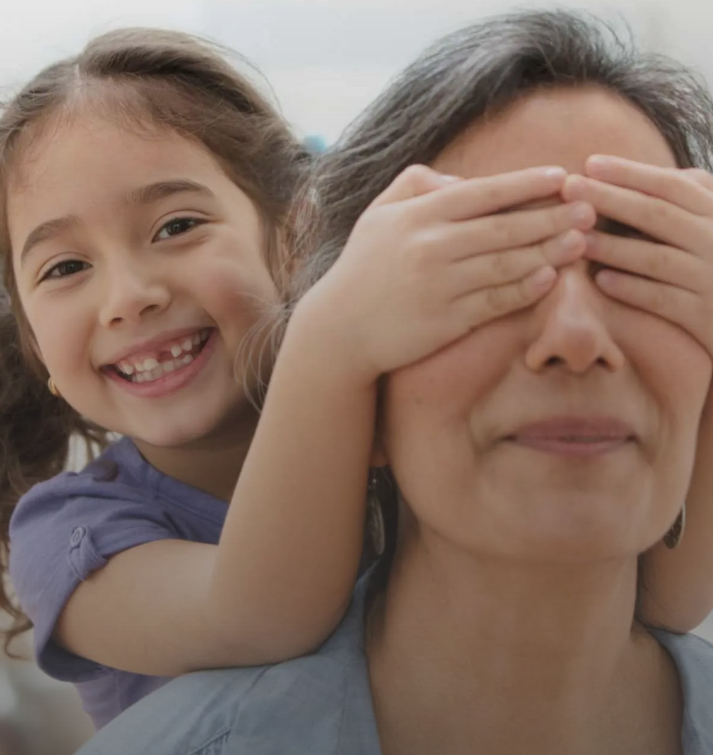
point(671, 277)
point(434, 257)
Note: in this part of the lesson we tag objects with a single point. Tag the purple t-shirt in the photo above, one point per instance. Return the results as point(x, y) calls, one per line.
point(68, 527)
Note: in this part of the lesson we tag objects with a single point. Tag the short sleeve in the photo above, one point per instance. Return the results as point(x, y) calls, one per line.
point(60, 533)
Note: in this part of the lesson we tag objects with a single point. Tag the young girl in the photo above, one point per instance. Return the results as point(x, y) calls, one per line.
point(145, 187)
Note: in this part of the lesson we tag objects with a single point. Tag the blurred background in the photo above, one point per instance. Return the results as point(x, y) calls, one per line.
point(325, 60)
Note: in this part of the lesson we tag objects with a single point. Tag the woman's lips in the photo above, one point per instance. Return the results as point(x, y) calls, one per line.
point(574, 436)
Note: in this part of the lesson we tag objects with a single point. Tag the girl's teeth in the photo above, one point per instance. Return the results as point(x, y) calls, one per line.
point(147, 375)
point(152, 369)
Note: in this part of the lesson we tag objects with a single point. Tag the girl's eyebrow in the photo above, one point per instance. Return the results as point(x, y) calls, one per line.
point(141, 196)
point(155, 192)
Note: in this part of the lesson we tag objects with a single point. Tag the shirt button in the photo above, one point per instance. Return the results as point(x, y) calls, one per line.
point(77, 536)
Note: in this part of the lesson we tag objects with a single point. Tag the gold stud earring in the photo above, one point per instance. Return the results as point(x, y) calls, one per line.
point(51, 385)
point(672, 539)
point(375, 517)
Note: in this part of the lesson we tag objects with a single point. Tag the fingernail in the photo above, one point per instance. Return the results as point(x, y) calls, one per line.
point(605, 278)
point(555, 172)
point(543, 278)
point(569, 240)
point(448, 179)
point(581, 212)
point(598, 162)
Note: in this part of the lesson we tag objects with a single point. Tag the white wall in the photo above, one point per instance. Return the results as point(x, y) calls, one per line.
point(326, 59)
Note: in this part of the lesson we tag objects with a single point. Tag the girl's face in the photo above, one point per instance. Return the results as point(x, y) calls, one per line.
point(464, 429)
point(140, 267)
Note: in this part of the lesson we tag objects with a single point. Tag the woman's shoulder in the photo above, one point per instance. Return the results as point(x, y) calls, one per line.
point(693, 657)
point(309, 704)
point(296, 706)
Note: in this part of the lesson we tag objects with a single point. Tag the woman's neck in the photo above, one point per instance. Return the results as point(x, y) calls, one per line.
point(473, 655)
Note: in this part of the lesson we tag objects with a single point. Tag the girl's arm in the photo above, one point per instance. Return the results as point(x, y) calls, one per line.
point(283, 572)
point(678, 584)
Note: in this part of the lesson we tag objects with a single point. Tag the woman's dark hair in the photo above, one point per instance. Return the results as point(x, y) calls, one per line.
point(469, 75)
point(145, 78)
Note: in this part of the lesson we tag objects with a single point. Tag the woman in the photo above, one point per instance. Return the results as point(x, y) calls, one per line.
point(535, 460)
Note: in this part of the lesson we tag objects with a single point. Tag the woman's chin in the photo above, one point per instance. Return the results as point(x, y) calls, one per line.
point(575, 525)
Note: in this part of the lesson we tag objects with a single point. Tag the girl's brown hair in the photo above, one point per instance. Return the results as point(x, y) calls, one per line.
point(145, 77)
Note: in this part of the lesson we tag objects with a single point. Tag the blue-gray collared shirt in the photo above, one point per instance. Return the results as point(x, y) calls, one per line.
point(321, 705)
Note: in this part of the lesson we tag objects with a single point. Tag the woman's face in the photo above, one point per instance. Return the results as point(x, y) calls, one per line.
point(567, 430)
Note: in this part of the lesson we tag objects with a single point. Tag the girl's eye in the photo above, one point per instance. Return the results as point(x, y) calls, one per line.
point(176, 227)
point(65, 269)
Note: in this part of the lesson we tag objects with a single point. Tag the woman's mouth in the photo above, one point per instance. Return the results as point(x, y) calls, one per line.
point(574, 436)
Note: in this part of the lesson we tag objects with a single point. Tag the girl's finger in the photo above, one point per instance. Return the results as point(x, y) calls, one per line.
point(701, 177)
point(476, 197)
point(499, 268)
point(665, 264)
point(655, 217)
point(669, 302)
point(672, 185)
point(513, 230)
point(488, 304)
point(414, 181)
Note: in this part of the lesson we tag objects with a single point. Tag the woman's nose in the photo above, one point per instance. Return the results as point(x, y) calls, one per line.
point(571, 332)
point(131, 293)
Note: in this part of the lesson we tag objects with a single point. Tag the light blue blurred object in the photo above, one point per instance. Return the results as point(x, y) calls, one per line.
point(315, 143)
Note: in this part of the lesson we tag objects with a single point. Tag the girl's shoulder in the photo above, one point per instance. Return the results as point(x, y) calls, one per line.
point(119, 484)
point(65, 529)
point(112, 473)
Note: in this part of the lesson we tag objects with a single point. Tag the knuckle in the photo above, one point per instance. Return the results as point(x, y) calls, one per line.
point(545, 252)
point(423, 248)
point(556, 219)
point(503, 266)
point(658, 299)
point(416, 175)
point(497, 190)
point(700, 176)
point(658, 263)
point(502, 230)
point(497, 300)
point(653, 214)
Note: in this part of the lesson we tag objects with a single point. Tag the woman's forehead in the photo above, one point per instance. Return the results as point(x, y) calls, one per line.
point(556, 127)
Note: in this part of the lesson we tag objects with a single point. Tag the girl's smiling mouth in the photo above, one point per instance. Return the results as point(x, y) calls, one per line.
point(166, 369)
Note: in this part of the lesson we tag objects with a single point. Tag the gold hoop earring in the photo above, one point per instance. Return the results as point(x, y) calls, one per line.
point(672, 539)
point(375, 517)
point(51, 385)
